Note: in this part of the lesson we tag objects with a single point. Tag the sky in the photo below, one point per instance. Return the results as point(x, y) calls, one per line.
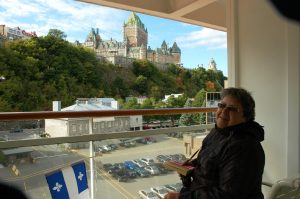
point(198, 44)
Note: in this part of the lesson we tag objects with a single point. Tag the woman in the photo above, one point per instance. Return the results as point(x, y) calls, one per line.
point(231, 161)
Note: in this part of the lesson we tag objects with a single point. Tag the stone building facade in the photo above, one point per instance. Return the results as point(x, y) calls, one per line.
point(133, 46)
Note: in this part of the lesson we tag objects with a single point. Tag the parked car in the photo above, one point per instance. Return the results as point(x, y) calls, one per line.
point(16, 130)
point(102, 150)
point(127, 144)
point(151, 139)
point(147, 194)
point(173, 187)
point(107, 166)
point(160, 191)
point(148, 161)
point(162, 169)
point(146, 140)
point(141, 172)
point(142, 141)
point(178, 157)
point(106, 147)
point(131, 173)
point(162, 158)
point(153, 170)
point(139, 163)
point(119, 165)
point(130, 165)
point(113, 146)
point(113, 170)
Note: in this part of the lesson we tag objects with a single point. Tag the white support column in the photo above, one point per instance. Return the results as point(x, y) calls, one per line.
point(232, 43)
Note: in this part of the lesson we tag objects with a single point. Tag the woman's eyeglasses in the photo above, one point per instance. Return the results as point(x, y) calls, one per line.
point(229, 108)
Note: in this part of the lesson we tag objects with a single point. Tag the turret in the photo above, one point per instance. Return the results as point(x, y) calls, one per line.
point(175, 48)
point(212, 65)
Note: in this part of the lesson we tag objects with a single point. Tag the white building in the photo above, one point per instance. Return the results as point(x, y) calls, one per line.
point(15, 33)
point(174, 95)
point(64, 127)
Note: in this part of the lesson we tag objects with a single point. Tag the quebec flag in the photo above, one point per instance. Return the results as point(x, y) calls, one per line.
point(69, 183)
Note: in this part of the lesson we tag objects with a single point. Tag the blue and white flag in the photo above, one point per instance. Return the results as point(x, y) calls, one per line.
point(69, 183)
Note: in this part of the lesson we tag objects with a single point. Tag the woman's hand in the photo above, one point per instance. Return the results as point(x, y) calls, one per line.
point(172, 195)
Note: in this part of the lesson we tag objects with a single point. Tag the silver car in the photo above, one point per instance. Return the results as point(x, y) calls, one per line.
point(160, 191)
point(147, 194)
point(152, 169)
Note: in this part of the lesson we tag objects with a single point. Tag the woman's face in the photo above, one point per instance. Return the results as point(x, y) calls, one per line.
point(229, 113)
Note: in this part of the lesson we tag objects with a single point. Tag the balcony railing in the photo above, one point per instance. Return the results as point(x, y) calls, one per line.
point(49, 154)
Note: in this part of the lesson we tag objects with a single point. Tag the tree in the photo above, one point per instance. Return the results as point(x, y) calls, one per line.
point(156, 92)
point(119, 87)
point(144, 68)
point(141, 84)
point(42, 69)
point(131, 104)
point(173, 102)
point(200, 100)
point(172, 68)
point(148, 104)
point(188, 119)
point(57, 34)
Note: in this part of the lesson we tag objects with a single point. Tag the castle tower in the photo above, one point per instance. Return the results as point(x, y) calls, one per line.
point(176, 52)
point(212, 65)
point(93, 39)
point(164, 47)
point(135, 31)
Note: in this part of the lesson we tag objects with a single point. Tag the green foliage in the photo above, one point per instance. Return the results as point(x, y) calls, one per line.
point(199, 100)
point(44, 69)
point(131, 104)
point(188, 119)
point(40, 70)
point(141, 84)
point(144, 68)
point(57, 33)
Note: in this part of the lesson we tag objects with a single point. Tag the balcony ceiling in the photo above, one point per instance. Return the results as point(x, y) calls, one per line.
point(207, 13)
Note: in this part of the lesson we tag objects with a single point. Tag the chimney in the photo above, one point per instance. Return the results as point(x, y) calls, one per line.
point(56, 106)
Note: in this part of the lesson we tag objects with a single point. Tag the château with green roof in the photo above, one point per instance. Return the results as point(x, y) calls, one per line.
point(134, 46)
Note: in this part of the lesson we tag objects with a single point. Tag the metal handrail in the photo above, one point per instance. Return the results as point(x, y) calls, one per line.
point(104, 136)
point(98, 137)
point(100, 113)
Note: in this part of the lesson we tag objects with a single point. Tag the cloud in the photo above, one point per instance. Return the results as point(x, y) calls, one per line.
point(72, 17)
point(14, 8)
point(208, 38)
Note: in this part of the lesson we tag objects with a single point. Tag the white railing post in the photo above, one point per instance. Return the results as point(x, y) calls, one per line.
point(91, 159)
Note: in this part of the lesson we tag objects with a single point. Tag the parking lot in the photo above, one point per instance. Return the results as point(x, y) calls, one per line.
point(129, 189)
point(32, 176)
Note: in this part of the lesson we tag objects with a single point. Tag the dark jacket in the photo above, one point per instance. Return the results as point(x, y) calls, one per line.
point(229, 165)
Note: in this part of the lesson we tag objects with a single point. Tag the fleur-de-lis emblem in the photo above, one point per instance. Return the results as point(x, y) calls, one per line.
point(80, 176)
point(57, 187)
